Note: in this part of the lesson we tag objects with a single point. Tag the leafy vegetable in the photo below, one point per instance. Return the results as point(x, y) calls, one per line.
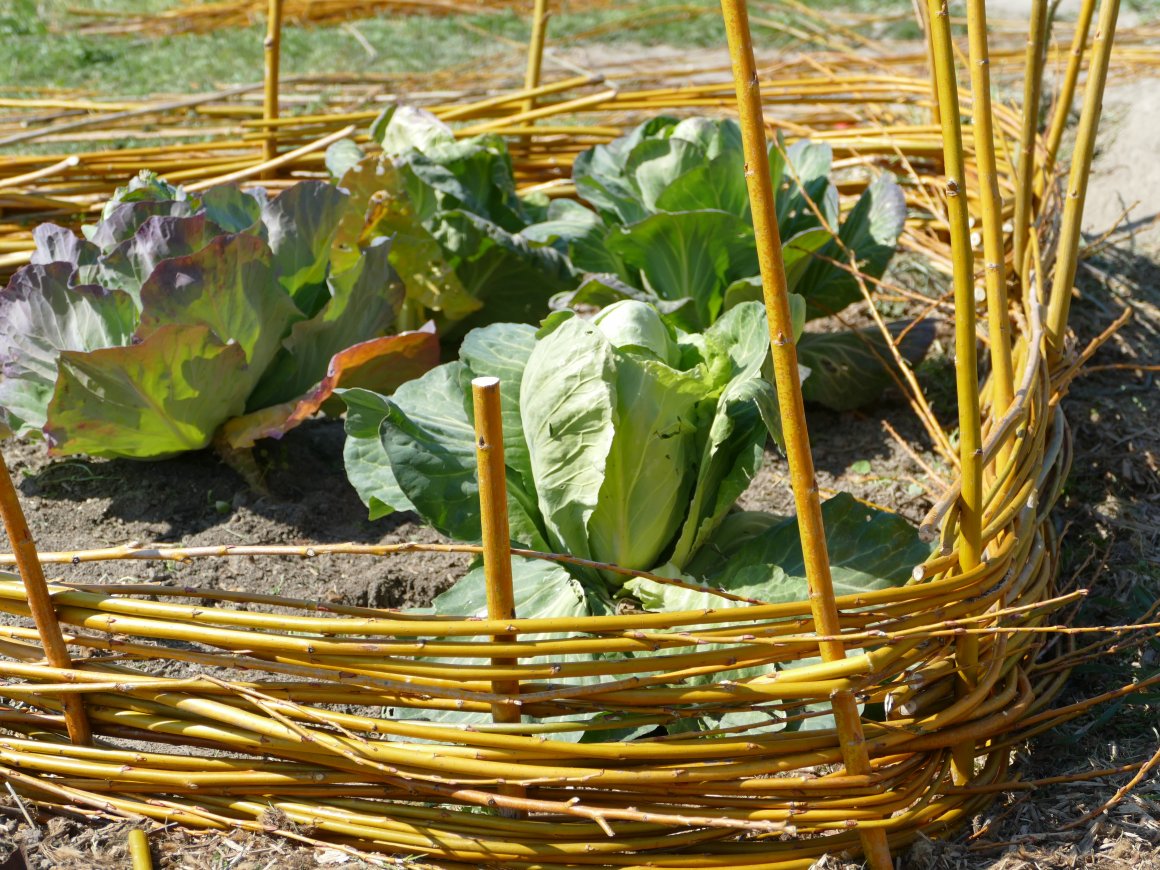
point(626, 441)
point(457, 220)
point(672, 223)
point(177, 313)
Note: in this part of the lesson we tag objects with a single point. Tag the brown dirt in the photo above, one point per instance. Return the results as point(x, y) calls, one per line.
point(197, 500)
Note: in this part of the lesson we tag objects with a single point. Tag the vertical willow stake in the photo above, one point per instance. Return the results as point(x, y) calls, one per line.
point(272, 46)
point(497, 556)
point(40, 602)
point(536, 51)
point(1066, 92)
point(966, 363)
point(995, 281)
point(1032, 82)
point(823, 606)
point(1081, 166)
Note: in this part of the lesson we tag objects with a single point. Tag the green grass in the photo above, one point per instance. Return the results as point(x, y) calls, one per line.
point(40, 51)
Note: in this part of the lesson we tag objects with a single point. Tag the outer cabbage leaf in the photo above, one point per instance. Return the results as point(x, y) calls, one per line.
point(576, 232)
point(40, 316)
point(851, 369)
point(870, 230)
point(364, 303)
point(122, 220)
point(130, 264)
point(869, 549)
point(233, 209)
point(511, 278)
point(229, 286)
point(797, 254)
point(368, 467)
point(55, 244)
point(301, 224)
point(379, 364)
point(501, 351)
point(163, 396)
point(541, 590)
point(379, 206)
point(429, 439)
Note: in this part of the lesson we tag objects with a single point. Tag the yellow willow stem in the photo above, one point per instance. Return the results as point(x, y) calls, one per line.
point(496, 536)
point(995, 281)
point(923, 16)
point(811, 528)
point(1066, 92)
point(139, 850)
point(39, 600)
point(1032, 84)
point(536, 52)
point(272, 46)
point(1081, 164)
point(966, 364)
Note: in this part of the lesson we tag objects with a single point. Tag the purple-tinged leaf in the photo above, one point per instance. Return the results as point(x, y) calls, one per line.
point(40, 316)
point(123, 219)
point(130, 264)
point(229, 286)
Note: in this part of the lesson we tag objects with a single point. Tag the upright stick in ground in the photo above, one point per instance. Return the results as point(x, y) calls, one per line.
point(1067, 255)
point(994, 276)
point(39, 601)
point(1029, 135)
point(811, 529)
point(966, 362)
point(496, 535)
point(272, 46)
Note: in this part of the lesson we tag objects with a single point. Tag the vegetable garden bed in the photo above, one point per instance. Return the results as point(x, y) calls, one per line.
point(679, 717)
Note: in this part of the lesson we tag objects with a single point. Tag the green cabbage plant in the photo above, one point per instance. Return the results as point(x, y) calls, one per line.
point(177, 318)
point(669, 222)
point(626, 442)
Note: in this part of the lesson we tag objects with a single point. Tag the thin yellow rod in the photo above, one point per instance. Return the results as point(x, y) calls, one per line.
point(1032, 86)
point(536, 52)
point(1066, 91)
point(811, 528)
point(1067, 255)
point(496, 536)
point(994, 277)
point(272, 46)
point(40, 601)
point(139, 850)
point(966, 363)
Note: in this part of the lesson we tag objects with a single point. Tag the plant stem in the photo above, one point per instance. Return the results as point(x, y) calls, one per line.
point(811, 528)
point(40, 601)
point(1081, 164)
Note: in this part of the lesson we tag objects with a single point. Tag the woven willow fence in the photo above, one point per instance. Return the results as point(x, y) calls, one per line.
point(290, 709)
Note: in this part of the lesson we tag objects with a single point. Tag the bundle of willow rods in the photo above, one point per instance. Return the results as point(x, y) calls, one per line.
point(317, 711)
point(866, 105)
